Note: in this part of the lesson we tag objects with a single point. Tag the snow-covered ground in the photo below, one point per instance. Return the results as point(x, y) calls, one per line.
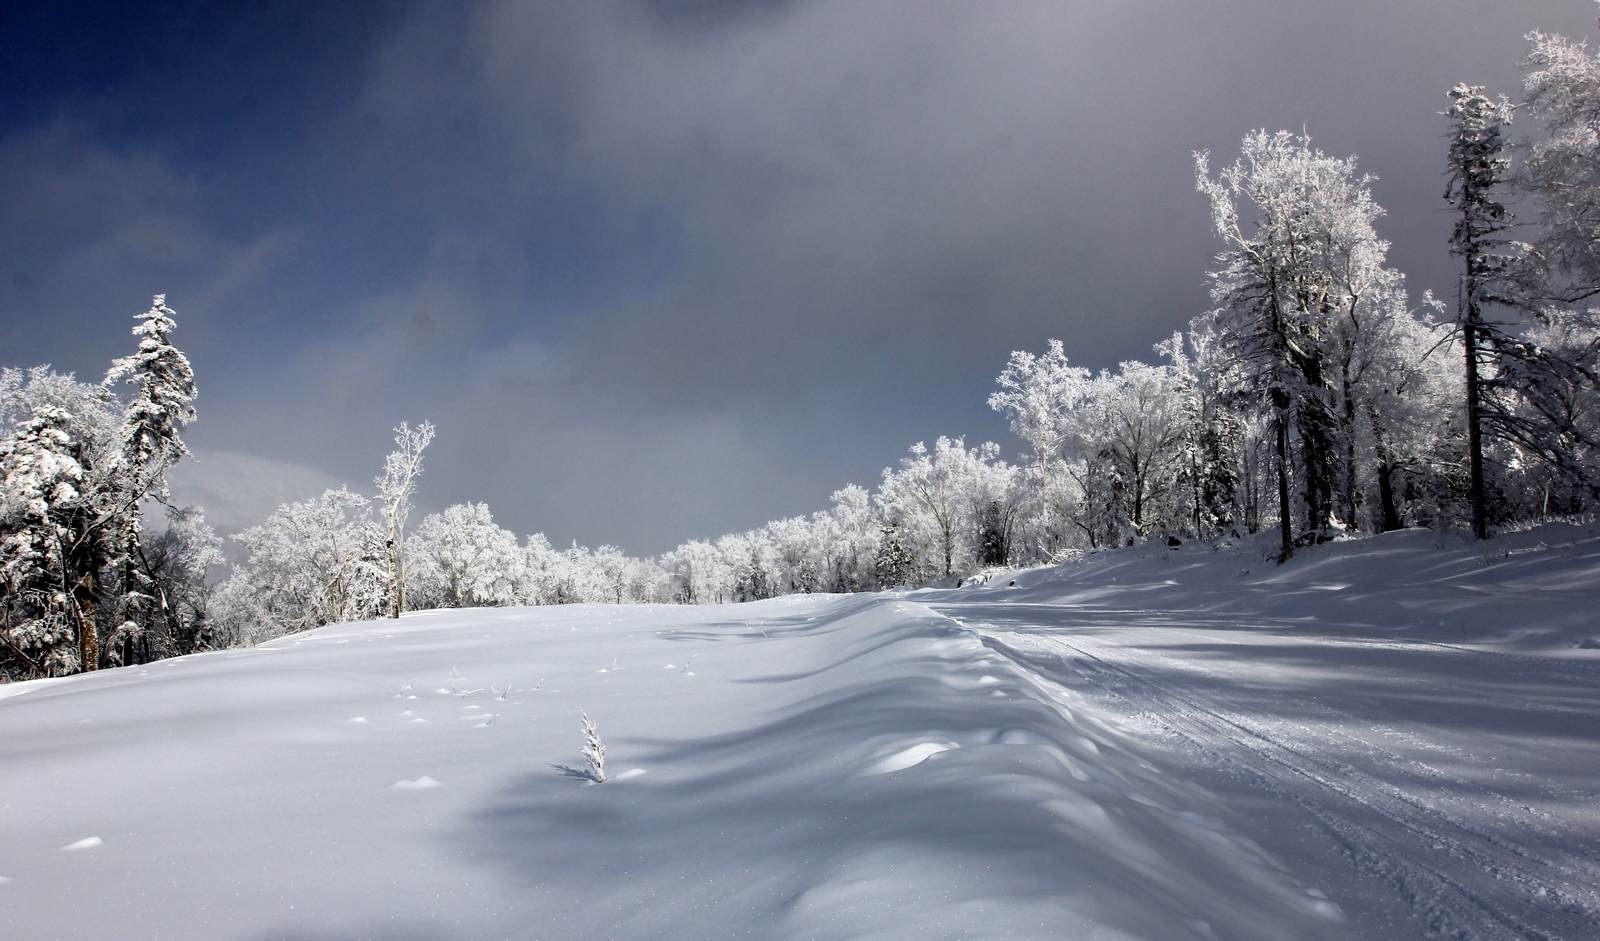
point(1381, 739)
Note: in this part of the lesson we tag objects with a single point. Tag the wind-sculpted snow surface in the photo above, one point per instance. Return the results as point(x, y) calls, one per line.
point(1413, 722)
point(825, 767)
point(1194, 754)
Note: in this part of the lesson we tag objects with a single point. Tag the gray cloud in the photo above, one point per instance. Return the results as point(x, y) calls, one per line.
point(665, 269)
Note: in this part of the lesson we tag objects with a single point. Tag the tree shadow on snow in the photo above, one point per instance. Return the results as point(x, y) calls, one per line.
point(777, 830)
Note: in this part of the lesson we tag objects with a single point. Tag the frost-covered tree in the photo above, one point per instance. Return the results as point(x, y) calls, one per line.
point(1551, 371)
point(318, 562)
point(1037, 394)
point(161, 404)
point(1301, 252)
point(1139, 425)
point(931, 501)
point(42, 477)
point(459, 558)
point(1561, 168)
point(162, 401)
point(78, 461)
point(175, 567)
point(1479, 163)
point(853, 533)
point(395, 486)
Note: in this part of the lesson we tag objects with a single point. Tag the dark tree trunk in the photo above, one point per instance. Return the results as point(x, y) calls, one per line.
point(88, 641)
point(1285, 514)
point(1391, 514)
point(1469, 332)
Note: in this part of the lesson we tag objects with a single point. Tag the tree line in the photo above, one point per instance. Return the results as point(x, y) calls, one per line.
point(1315, 399)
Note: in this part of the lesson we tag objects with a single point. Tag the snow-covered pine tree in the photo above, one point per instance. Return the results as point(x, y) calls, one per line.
point(162, 403)
point(41, 482)
point(163, 399)
point(1479, 162)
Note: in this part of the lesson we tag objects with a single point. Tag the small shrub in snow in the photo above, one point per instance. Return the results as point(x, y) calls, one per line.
point(594, 751)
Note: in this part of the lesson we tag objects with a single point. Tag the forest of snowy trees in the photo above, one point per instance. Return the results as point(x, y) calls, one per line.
point(1317, 399)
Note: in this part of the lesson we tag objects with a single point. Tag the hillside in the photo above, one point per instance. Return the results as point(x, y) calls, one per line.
point(1381, 739)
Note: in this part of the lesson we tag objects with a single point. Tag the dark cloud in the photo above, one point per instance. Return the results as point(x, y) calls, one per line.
point(667, 269)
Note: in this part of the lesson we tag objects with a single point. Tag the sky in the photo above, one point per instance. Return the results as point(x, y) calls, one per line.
point(666, 269)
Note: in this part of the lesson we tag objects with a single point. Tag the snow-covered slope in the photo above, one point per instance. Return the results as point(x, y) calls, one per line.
point(1146, 745)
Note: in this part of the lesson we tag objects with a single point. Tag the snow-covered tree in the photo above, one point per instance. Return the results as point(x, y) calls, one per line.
point(852, 532)
point(1479, 163)
point(1037, 394)
point(42, 480)
point(1306, 256)
point(931, 500)
point(460, 558)
point(163, 399)
point(1550, 371)
point(173, 568)
point(1562, 167)
point(318, 562)
point(395, 486)
point(162, 403)
point(78, 462)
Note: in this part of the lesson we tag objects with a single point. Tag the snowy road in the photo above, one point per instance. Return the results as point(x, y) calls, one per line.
point(1430, 788)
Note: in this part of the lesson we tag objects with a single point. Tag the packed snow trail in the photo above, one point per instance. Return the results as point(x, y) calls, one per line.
point(1427, 768)
point(1459, 783)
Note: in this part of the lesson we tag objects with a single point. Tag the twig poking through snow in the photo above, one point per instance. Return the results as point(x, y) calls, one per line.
point(689, 661)
point(594, 752)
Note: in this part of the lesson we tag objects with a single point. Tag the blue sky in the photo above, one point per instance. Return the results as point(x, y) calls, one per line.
point(661, 270)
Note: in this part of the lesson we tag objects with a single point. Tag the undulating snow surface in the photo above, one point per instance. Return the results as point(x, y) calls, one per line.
point(1381, 739)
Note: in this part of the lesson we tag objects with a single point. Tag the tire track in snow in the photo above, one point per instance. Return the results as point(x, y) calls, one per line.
point(1491, 887)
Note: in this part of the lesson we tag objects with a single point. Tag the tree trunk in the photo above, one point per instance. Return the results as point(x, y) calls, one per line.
point(88, 642)
point(1349, 421)
point(394, 581)
point(1391, 513)
point(1469, 332)
point(1285, 514)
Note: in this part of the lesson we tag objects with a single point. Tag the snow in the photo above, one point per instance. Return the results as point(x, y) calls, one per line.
point(1189, 743)
point(915, 755)
point(420, 784)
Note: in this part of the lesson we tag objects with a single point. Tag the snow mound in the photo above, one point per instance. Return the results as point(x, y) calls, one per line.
point(420, 784)
point(915, 755)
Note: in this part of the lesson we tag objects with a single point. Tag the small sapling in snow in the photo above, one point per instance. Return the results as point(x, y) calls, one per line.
point(594, 751)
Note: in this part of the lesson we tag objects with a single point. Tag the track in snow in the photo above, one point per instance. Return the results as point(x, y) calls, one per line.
point(1461, 779)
